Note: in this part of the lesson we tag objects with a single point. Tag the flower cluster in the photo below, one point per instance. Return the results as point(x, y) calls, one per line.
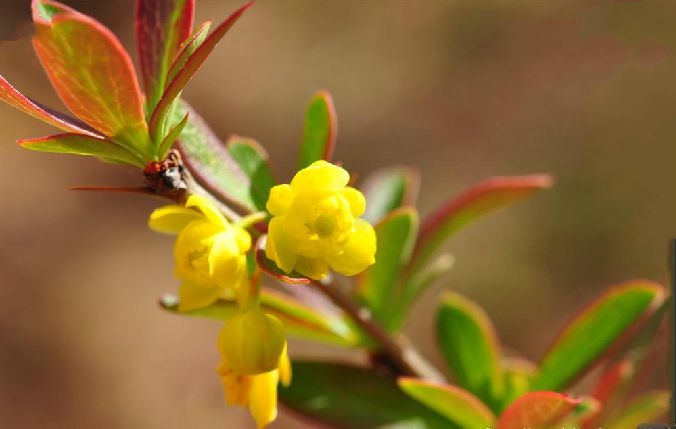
point(315, 227)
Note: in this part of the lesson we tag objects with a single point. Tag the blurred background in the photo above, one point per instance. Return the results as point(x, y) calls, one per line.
point(463, 90)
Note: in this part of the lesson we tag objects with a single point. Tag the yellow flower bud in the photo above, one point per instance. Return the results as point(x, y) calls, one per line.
point(252, 342)
point(210, 253)
point(316, 224)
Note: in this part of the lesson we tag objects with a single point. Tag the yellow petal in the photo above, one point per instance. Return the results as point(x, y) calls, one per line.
point(193, 297)
point(204, 205)
point(356, 201)
point(225, 259)
point(314, 268)
point(321, 175)
point(281, 251)
point(285, 368)
point(280, 198)
point(263, 398)
point(359, 252)
point(172, 219)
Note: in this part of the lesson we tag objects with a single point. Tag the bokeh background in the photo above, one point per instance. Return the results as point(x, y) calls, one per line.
point(462, 89)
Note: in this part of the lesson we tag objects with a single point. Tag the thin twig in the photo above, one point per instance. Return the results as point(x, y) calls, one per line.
point(406, 359)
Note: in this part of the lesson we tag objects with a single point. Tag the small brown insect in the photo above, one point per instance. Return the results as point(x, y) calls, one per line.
point(166, 177)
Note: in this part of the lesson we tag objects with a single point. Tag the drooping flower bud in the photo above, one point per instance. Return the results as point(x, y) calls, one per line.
point(251, 342)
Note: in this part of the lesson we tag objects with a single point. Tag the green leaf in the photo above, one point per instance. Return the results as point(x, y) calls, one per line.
point(396, 236)
point(299, 319)
point(478, 201)
point(16, 99)
point(538, 410)
point(186, 71)
point(470, 347)
point(388, 189)
point(93, 74)
point(614, 315)
point(319, 132)
point(172, 136)
point(457, 405)
point(161, 27)
point(79, 144)
point(649, 407)
point(253, 160)
point(350, 397)
point(210, 162)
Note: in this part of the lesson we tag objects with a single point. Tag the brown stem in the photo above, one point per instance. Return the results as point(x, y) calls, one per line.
point(401, 354)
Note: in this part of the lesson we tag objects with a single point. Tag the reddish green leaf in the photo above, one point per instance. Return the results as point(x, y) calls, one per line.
point(610, 389)
point(92, 73)
point(210, 162)
point(161, 27)
point(188, 69)
point(612, 317)
point(253, 160)
point(16, 99)
point(188, 48)
point(349, 397)
point(649, 407)
point(388, 189)
point(396, 236)
point(457, 405)
point(479, 200)
point(299, 319)
point(79, 144)
point(319, 132)
point(538, 410)
point(470, 347)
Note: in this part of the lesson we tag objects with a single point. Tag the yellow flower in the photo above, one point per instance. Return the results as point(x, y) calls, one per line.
point(210, 253)
point(256, 392)
point(316, 224)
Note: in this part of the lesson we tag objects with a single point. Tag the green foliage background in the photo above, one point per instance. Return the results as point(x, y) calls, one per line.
point(582, 90)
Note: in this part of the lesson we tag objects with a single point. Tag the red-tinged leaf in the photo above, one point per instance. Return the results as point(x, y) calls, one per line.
point(538, 410)
point(92, 73)
point(211, 164)
point(319, 132)
point(479, 200)
point(79, 144)
point(649, 407)
point(388, 189)
point(185, 73)
point(457, 405)
point(271, 268)
point(470, 346)
point(161, 28)
point(188, 48)
point(609, 390)
point(602, 327)
point(16, 99)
